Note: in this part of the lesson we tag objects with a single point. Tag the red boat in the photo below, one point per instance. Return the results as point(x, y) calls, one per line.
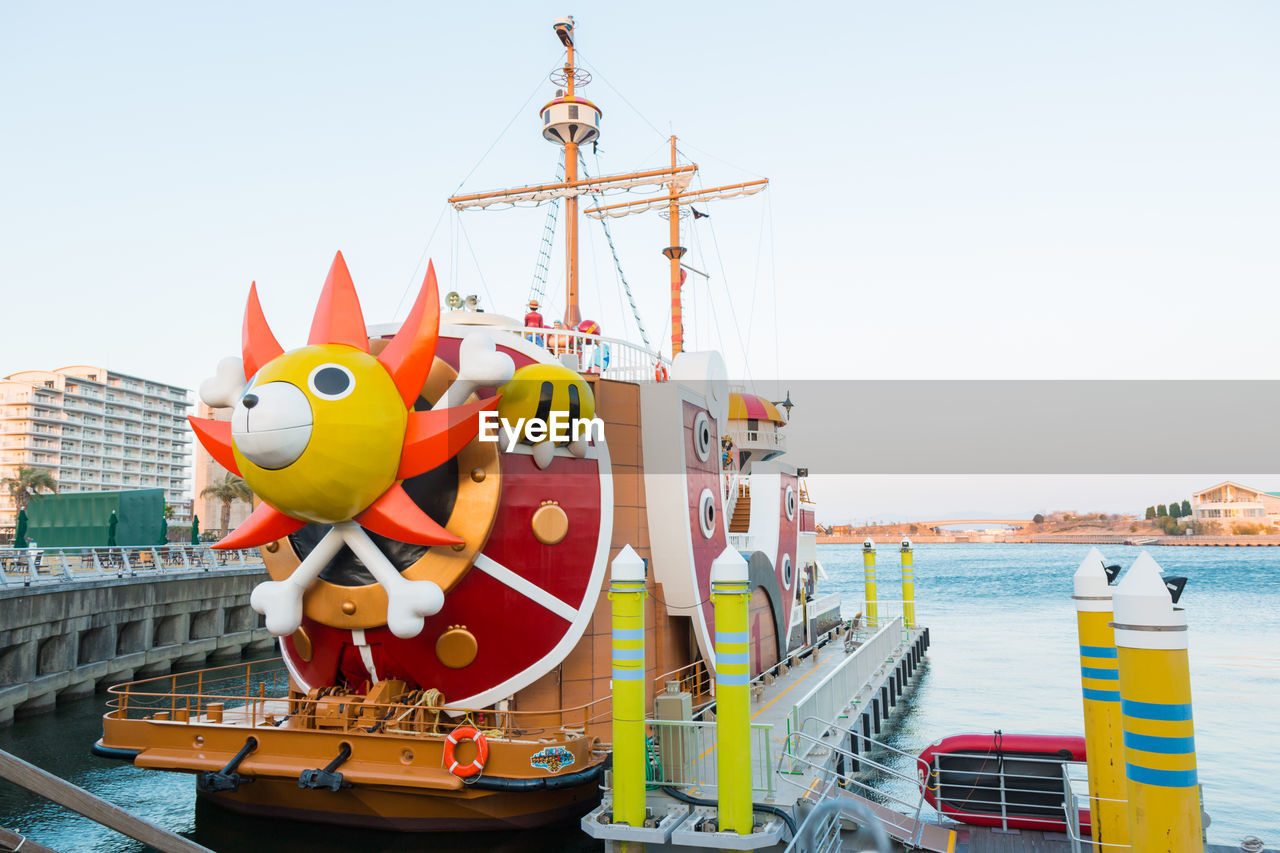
point(1013, 781)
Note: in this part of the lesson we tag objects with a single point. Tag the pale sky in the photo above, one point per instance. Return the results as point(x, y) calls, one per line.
point(988, 189)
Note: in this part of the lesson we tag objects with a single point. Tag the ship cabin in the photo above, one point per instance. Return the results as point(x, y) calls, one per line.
point(753, 433)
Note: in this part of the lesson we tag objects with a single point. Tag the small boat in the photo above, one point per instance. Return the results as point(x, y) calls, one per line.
point(1012, 781)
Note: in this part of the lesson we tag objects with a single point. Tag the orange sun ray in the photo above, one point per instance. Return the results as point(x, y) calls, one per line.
point(338, 319)
point(409, 356)
point(433, 438)
point(258, 344)
point(266, 524)
point(396, 516)
point(216, 438)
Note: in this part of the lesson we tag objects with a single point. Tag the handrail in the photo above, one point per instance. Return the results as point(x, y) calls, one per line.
point(837, 690)
point(612, 358)
point(41, 565)
point(849, 779)
point(210, 697)
point(820, 831)
point(1071, 806)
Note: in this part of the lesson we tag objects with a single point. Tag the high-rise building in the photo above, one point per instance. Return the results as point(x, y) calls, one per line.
point(95, 430)
point(208, 473)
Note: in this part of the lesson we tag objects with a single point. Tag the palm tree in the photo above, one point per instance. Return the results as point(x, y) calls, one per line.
point(231, 489)
point(28, 484)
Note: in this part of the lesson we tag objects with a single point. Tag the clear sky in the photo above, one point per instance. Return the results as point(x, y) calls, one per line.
point(986, 189)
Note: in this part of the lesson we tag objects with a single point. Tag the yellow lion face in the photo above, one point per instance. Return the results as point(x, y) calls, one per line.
point(318, 434)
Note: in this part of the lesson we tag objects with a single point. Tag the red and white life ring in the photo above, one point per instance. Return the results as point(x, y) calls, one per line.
point(660, 373)
point(457, 736)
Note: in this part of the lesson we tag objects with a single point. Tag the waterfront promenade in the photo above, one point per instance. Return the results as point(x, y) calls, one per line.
point(77, 620)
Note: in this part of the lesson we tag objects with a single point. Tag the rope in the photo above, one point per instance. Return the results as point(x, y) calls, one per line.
point(626, 286)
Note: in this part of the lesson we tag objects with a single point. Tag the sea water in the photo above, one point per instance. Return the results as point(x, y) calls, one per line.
point(1004, 656)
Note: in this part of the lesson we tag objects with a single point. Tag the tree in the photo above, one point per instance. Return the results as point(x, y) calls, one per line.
point(1186, 509)
point(1038, 518)
point(1162, 511)
point(1174, 510)
point(230, 490)
point(1151, 513)
point(28, 484)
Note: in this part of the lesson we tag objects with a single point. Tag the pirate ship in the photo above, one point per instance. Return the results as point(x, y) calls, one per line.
point(440, 599)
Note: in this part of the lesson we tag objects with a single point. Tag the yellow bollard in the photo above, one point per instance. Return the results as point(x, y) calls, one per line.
point(908, 585)
point(627, 592)
point(730, 595)
point(869, 575)
point(1100, 677)
point(1155, 700)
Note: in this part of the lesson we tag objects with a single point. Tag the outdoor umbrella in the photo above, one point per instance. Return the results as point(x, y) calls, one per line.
point(20, 535)
point(111, 529)
point(195, 530)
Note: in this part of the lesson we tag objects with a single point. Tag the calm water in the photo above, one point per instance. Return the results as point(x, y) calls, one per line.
point(1003, 657)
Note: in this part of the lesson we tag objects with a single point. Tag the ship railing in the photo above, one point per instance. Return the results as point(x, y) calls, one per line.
point(258, 693)
point(612, 358)
point(687, 756)
point(750, 438)
point(1071, 779)
point(825, 757)
point(998, 793)
point(692, 678)
point(40, 565)
point(831, 697)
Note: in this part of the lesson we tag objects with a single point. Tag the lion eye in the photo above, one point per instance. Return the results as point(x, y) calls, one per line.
point(331, 382)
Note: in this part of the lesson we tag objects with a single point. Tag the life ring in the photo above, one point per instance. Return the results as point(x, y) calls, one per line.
point(660, 373)
point(456, 737)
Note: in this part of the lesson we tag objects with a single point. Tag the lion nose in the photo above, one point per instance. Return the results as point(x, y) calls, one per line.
point(250, 400)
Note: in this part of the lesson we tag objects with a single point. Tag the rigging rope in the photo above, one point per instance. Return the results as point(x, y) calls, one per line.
point(542, 267)
point(626, 286)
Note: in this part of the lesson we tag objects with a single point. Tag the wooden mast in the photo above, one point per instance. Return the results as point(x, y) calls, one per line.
point(674, 253)
point(571, 315)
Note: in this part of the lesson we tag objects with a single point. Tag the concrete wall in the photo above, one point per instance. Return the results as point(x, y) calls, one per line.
point(66, 641)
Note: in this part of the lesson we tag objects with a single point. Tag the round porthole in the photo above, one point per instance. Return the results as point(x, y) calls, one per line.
point(702, 436)
point(791, 504)
point(786, 571)
point(707, 513)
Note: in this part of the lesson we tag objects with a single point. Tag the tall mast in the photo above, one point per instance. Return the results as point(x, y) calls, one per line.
point(570, 121)
point(674, 253)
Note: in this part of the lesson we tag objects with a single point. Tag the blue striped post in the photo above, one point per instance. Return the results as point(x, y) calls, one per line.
point(1155, 702)
point(730, 595)
point(627, 592)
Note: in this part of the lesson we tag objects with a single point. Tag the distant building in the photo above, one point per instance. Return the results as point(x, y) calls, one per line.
point(95, 430)
point(207, 473)
point(1231, 503)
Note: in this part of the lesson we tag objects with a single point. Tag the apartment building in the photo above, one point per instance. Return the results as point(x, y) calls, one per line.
point(96, 430)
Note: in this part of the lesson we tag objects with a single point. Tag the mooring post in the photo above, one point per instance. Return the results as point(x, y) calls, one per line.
point(1100, 680)
point(908, 586)
point(730, 596)
point(869, 577)
point(1155, 701)
point(627, 592)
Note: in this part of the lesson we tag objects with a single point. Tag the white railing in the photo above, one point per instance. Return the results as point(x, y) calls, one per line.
point(1073, 774)
point(758, 438)
point(37, 566)
point(832, 696)
point(612, 358)
point(687, 755)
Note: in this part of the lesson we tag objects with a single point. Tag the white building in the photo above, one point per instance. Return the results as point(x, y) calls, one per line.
point(1228, 504)
point(95, 430)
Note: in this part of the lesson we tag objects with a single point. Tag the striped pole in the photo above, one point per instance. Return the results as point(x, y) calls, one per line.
point(869, 575)
point(730, 595)
point(1100, 678)
point(908, 586)
point(1155, 699)
point(627, 592)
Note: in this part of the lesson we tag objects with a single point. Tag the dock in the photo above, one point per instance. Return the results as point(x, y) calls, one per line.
point(815, 718)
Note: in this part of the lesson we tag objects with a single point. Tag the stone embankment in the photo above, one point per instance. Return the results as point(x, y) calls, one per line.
point(67, 640)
